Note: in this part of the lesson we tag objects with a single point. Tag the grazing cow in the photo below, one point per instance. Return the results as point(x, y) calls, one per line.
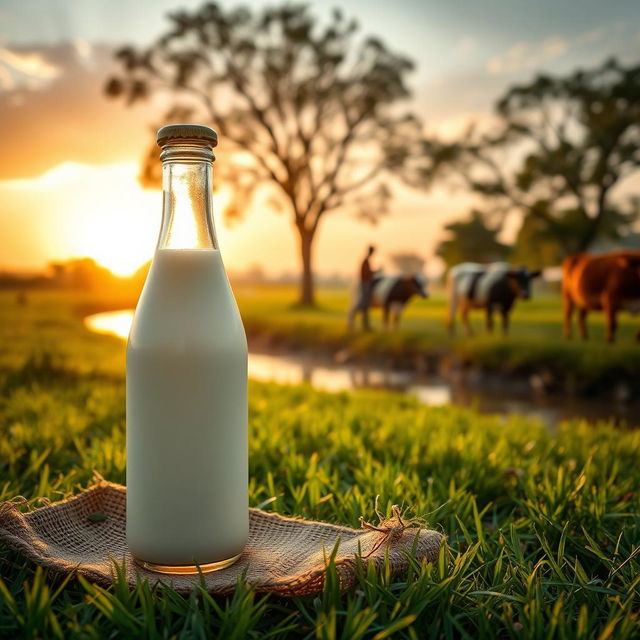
point(391, 294)
point(609, 282)
point(492, 287)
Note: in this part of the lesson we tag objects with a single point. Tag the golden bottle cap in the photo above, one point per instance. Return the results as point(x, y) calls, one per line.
point(198, 132)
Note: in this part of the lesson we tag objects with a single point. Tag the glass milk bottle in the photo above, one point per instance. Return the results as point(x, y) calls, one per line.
point(187, 458)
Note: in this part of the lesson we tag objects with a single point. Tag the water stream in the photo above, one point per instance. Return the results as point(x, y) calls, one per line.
point(488, 394)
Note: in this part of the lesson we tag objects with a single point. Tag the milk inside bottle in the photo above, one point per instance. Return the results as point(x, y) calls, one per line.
point(187, 460)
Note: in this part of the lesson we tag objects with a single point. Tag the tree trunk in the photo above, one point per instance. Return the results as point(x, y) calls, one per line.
point(307, 291)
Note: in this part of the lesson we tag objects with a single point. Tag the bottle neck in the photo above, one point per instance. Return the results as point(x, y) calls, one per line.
point(187, 209)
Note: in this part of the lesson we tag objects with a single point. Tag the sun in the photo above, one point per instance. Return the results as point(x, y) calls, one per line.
point(121, 253)
point(120, 227)
point(119, 220)
point(100, 212)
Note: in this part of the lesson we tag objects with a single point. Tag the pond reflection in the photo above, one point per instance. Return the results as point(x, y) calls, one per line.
point(292, 369)
point(487, 393)
point(115, 323)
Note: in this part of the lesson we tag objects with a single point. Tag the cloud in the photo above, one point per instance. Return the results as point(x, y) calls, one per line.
point(454, 126)
point(53, 110)
point(527, 55)
point(6, 79)
point(554, 47)
point(25, 69)
point(589, 37)
point(524, 55)
point(450, 99)
point(464, 46)
point(60, 175)
point(84, 51)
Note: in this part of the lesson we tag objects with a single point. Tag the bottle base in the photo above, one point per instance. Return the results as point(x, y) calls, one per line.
point(186, 570)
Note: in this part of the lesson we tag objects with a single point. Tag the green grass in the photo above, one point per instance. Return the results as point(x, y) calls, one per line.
point(543, 536)
point(534, 344)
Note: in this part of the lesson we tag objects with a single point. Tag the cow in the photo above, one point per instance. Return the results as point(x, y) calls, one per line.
point(609, 282)
point(391, 294)
point(493, 287)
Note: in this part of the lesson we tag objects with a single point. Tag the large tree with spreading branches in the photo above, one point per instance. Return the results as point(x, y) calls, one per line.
point(309, 112)
point(558, 149)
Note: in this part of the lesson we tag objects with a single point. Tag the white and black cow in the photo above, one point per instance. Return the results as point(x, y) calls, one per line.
point(492, 287)
point(391, 294)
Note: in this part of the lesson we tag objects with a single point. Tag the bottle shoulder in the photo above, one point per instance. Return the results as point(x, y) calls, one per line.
point(220, 328)
point(187, 301)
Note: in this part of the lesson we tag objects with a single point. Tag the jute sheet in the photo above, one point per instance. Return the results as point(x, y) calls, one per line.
point(284, 556)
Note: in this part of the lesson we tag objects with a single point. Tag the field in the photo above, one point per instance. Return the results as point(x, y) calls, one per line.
point(534, 344)
point(543, 536)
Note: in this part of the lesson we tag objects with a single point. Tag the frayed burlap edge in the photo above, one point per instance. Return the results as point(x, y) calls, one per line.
point(284, 556)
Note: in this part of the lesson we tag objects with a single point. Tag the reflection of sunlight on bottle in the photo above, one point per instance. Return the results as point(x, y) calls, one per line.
point(221, 200)
point(183, 233)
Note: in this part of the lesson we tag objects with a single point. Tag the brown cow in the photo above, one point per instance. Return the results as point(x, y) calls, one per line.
point(609, 282)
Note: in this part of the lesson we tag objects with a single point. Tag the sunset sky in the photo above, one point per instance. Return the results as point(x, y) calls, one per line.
point(70, 157)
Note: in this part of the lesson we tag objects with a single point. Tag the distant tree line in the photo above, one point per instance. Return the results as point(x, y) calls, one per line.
point(85, 274)
point(77, 274)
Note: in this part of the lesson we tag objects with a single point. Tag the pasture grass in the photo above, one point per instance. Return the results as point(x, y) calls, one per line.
point(543, 536)
point(534, 344)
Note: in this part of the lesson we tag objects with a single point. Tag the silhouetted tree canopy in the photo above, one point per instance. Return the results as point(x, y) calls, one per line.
point(309, 110)
point(535, 245)
point(560, 147)
point(471, 240)
point(407, 262)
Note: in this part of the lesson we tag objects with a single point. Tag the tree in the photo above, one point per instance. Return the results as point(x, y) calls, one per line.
point(535, 246)
point(308, 111)
point(83, 273)
point(558, 151)
point(471, 240)
point(408, 263)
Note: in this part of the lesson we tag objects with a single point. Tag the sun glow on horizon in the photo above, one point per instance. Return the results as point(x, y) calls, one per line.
point(100, 212)
point(76, 210)
point(115, 220)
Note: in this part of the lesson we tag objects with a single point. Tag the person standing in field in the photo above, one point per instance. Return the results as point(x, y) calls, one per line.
point(362, 301)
